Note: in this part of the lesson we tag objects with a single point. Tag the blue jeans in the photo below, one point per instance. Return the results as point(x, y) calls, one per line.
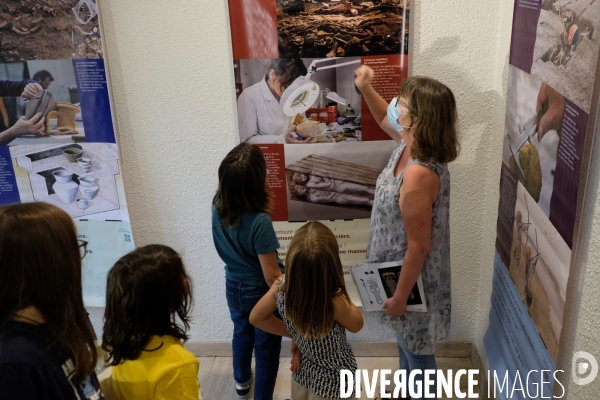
point(241, 298)
point(410, 361)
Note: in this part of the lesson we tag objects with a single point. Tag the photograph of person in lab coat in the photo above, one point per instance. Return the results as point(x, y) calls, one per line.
point(260, 116)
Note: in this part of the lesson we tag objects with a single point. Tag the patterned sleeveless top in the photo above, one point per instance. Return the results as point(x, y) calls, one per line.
point(387, 242)
point(322, 359)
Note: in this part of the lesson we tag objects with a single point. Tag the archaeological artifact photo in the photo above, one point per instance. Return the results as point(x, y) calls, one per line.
point(82, 179)
point(329, 181)
point(323, 180)
point(56, 100)
point(49, 30)
point(389, 277)
point(539, 267)
point(566, 48)
point(533, 125)
point(343, 28)
point(298, 100)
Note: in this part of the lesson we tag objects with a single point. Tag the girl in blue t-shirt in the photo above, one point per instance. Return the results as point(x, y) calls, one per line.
point(246, 242)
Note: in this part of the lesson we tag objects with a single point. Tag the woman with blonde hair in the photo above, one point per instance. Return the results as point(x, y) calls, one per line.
point(47, 348)
point(410, 217)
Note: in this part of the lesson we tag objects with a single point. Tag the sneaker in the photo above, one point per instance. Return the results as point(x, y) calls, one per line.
point(243, 390)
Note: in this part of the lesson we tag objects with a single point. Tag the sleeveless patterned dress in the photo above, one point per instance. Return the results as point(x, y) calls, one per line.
point(387, 242)
point(321, 359)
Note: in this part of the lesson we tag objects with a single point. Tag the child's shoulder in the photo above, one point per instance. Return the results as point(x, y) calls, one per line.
point(24, 343)
point(162, 355)
point(176, 352)
point(254, 219)
point(256, 215)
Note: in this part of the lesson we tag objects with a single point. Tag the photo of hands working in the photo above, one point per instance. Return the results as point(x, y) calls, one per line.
point(39, 103)
point(298, 101)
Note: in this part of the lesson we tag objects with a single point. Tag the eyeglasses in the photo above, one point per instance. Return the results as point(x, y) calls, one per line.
point(82, 248)
point(402, 104)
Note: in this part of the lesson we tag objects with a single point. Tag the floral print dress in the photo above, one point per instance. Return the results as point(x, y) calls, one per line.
point(387, 242)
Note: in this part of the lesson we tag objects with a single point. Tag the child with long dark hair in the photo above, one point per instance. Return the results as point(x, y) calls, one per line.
point(47, 348)
point(244, 237)
point(148, 290)
point(316, 311)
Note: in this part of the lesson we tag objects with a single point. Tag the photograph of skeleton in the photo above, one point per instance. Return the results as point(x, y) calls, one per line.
point(374, 289)
point(82, 179)
point(49, 30)
point(57, 99)
point(566, 48)
point(532, 133)
point(390, 276)
point(298, 101)
point(342, 28)
point(539, 267)
point(333, 181)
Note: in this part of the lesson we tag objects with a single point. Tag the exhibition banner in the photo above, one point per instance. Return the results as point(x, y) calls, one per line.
point(552, 74)
point(352, 239)
point(57, 141)
point(294, 64)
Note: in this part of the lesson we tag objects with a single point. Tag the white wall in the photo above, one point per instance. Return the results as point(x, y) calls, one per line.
point(170, 69)
point(494, 154)
point(461, 44)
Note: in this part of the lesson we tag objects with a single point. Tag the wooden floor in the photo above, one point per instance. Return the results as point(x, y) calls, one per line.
point(216, 374)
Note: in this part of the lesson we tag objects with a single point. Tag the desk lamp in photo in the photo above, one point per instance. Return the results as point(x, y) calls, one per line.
point(303, 92)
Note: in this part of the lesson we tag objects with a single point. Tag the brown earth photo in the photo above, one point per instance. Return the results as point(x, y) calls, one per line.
point(49, 30)
point(539, 267)
point(537, 303)
point(342, 28)
point(566, 48)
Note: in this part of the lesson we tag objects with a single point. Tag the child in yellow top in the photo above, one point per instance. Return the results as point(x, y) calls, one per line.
point(146, 290)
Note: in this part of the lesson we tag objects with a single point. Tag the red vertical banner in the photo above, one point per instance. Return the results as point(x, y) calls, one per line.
point(389, 70)
point(276, 186)
point(253, 28)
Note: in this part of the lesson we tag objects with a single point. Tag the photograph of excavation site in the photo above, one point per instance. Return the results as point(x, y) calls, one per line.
point(342, 28)
point(540, 267)
point(566, 48)
point(49, 30)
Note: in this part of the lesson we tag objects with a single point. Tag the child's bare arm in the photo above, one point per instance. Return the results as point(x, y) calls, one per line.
point(270, 267)
point(346, 314)
point(296, 358)
point(262, 314)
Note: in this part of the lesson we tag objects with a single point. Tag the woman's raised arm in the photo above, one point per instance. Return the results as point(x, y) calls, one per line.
point(377, 105)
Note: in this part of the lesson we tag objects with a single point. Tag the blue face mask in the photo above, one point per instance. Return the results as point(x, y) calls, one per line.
point(393, 114)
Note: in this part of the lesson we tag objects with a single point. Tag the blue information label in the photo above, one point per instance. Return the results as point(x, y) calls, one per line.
point(8, 183)
point(519, 362)
point(93, 97)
